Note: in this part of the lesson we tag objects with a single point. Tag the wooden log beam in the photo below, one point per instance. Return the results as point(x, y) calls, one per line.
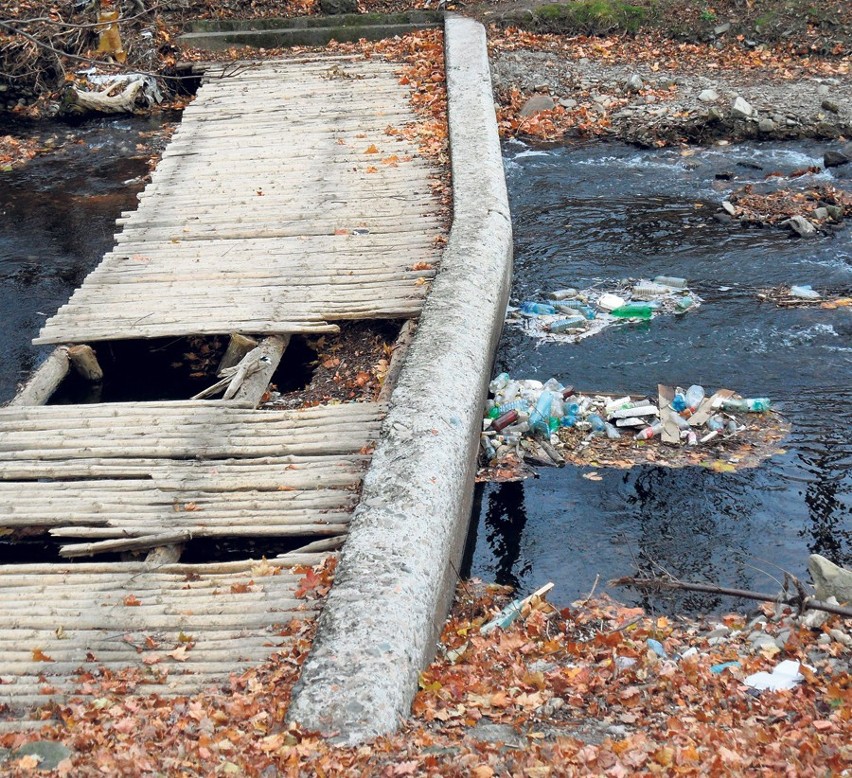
point(85, 362)
point(45, 381)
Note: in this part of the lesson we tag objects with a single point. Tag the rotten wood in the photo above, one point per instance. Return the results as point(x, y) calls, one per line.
point(238, 346)
point(400, 351)
point(85, 363)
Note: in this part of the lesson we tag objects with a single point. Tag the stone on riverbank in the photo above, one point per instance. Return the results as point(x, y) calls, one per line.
point(829, 579)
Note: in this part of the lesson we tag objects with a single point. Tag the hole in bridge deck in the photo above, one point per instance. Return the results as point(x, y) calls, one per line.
point(170, 369)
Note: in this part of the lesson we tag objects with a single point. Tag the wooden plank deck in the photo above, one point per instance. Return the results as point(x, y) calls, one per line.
point(64, 627)
point(125, 470)
point(286, 201)
point(281, 205)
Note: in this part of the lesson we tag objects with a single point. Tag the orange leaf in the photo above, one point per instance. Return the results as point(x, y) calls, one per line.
point(371, 149)
point(131, 600)
point(40, 656)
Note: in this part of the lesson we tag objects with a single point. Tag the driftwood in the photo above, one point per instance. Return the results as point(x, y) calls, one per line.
point(800, 599)
point(124, 94)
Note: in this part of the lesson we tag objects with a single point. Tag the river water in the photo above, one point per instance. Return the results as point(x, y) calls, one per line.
point(583, 215)
point(57, 219)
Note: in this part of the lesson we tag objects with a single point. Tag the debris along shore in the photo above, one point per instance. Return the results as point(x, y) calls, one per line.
point(528, 422)
point(570, 315)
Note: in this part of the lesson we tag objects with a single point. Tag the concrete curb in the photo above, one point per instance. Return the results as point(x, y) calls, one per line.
point(397, 574)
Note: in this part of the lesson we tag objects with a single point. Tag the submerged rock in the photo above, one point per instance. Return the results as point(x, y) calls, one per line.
point(834, 159)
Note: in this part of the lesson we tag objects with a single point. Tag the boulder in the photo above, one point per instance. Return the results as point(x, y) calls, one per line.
point(537, 104)
point(830, 106)
point(834, 159)
point(741, 108)
point(708, 96)
point(801, 226)
point(830, 580)
point(766, 125)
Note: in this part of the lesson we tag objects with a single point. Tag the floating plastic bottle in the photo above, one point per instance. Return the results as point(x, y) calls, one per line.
point(494, 412)
point(649, 432)
point(564, 325)
point(649, 291)
point(598, 424)
point(694, 395)
point(634, 311)
point(569, 420)
point(504, 421)
point(540, 415)
point(682, 423)
point(499, 382)
point(557, 406)
point(537, 309)
point(715, 423)
point(611, 432)
point(552, 385)
point(515, 405)
point(678, 402)
point(748, 405)
point(672, 281)
point(563, 294)
point(589, 313)
point(685, 303)
point(569, 306)
point(553, 424)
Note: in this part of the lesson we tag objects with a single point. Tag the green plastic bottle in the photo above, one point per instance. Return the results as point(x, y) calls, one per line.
point(633, 311)
point(748, 405)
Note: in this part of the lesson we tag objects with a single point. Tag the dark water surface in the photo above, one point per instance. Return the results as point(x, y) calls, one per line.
point(57, 219)
point(584, 215)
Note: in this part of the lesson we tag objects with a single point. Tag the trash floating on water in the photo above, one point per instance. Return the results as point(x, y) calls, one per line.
point(804, 296)
point(570, 315)
point(529, 423)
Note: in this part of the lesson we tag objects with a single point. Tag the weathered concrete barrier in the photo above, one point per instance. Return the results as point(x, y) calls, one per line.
point(397, 574)
point(222, 34)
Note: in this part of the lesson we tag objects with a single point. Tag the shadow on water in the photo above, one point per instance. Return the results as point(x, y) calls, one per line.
point(585, 215)
point(57, 219)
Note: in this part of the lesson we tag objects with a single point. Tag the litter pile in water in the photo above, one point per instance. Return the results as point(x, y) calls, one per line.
point(803, 296)
point(570, 315)
point(528, 422)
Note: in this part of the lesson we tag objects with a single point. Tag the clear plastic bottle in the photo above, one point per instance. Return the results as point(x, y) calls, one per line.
point(611, 432)
point(649, 290)
point(499, 382)
point(562, 294)
point(536, 309)
point(569, 306)
point(685, 303)
point(557, 406)
point(515, 405)
point(748, 405)
point(715, 423)
point(588, 312)
point(649, 432)
point(540, 415)
point(566, 325)
point(598, 424)
point(673, 281)
point(694, 395)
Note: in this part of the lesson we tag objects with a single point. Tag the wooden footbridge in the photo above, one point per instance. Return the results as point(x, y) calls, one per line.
point(288, 200)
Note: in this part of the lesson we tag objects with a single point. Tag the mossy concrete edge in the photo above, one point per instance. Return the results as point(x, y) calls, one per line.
point(397, 573)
